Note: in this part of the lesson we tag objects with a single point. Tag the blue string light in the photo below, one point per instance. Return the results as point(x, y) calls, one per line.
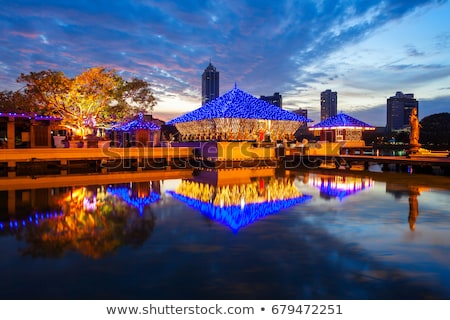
point(236, 216)
point(28, 115)
point(137, 124)
point(339, 121)
point(14, 225)
point(238, 104)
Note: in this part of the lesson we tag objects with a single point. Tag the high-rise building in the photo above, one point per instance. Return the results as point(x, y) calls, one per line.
point(399, 109)
point(303, 129)
point(276, 99)
point(328, 104)
point(210, 84)
point(301, 112)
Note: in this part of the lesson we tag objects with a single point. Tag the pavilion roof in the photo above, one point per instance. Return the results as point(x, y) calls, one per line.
point(139, 123)
point(341, 121)
point(238, 104)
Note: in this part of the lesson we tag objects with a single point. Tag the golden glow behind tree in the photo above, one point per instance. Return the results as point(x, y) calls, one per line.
point(93, 98)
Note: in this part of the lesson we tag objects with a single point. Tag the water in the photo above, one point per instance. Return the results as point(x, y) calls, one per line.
point(337, 236)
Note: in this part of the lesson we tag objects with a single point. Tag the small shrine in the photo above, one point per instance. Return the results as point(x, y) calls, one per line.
point(344, 130)
point(137, 132)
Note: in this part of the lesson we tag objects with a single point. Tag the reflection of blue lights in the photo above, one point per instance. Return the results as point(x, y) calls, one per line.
point(238, 216)
point(14, 225)
point(329, 190)
point(137, 202)
point(239, 104)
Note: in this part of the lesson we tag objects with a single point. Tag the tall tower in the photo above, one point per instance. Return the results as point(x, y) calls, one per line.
point(210, 84)
point(328, 104)
point(399, 109)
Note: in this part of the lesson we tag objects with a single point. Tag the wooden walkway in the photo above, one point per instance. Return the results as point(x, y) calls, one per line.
point(72, 160)
point(422, 162)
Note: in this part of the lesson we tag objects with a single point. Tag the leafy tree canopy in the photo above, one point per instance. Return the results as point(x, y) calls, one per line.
point(435, 130)
point(96, 97)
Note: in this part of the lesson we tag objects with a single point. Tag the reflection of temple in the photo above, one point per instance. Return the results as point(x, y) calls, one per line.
point(238, 197)
point(137, 194)
point(339, 186)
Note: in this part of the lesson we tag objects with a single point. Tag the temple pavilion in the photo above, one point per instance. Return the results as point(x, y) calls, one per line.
point(138, 132)
point(342, 129)
point(238, 116)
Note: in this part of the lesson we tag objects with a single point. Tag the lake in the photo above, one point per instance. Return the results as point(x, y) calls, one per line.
point(230, 234)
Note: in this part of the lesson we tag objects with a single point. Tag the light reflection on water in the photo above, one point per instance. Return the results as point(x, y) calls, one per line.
point(301, 235)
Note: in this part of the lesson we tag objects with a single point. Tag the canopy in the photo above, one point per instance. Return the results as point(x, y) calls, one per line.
point(237, 112)
point(138, 124)
point(341, 121)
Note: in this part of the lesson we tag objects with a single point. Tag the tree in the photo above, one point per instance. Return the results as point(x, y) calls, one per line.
point(96, 97)
point(15, 101)
point(435, 131)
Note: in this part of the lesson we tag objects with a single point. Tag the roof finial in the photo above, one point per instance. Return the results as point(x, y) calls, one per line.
point(235, 85)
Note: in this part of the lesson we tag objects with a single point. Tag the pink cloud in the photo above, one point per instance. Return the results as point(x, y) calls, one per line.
point(25, 34)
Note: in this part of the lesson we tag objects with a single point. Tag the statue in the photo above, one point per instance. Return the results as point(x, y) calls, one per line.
point(414, 135)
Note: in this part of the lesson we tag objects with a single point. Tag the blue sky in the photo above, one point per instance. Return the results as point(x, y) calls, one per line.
point(365, 50)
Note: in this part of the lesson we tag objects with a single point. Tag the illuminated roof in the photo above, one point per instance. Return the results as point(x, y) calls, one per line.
point(341, 121)
point(137, 124)
point(238, 104)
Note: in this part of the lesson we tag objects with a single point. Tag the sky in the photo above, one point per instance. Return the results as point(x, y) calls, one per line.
point(365, 50)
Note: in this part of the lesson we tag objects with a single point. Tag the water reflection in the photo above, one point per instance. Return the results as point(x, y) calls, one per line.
point(237, 198)
point(360, 247)
point(413, 207)
point(413, 193)
point(339, 186)
point(92, 220)
point(138, 194)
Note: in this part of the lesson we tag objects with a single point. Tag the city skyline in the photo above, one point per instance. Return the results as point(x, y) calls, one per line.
point(373, 49)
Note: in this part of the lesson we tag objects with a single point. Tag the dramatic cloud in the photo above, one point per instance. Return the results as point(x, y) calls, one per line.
point(364, 50)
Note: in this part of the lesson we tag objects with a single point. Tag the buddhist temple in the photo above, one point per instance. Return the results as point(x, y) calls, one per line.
point(137, 132)
point(237, 116)
point(342, 129)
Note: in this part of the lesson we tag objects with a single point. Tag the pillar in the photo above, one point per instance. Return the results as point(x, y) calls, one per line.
point(32, 133)
point(11, 133)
